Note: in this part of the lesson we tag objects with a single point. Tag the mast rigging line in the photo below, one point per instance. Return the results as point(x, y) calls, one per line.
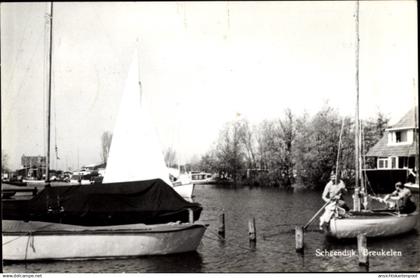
point(339, 149)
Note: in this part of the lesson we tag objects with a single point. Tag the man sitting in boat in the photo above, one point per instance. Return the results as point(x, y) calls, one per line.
point(334, 191)
point(333, 194)
point(401, 199)
point(332, 209)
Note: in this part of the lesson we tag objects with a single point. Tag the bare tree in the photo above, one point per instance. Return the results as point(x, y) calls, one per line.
point(229, 150)
point(287, 134)
point(170, 157)
point(106, 144)
point(247, 138)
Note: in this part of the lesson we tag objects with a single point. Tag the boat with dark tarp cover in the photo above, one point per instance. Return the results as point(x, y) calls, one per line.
point(103, 204)
point(100, 221)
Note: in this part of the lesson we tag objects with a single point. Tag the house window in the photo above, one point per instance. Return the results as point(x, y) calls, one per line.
point(383, 163)
point(400, 136)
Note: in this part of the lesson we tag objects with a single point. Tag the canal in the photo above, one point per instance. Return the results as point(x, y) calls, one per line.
point(276, 213)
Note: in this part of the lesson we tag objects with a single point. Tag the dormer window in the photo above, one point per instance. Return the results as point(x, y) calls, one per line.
point(397, 137)
point(400, 136)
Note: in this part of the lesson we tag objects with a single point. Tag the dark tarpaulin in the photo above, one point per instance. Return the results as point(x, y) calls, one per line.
point(148, 202)
point(382, 181)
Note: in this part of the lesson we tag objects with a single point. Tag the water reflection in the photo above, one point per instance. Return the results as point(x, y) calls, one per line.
point(276, 213)
point(180, 263)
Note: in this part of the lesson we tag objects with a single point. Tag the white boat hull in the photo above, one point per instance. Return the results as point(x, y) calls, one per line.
point(185, 190)
point(50, 241)
point(34, 182)
point(378, 225)
point(205, 181)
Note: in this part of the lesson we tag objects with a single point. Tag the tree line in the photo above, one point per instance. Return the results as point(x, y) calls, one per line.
point(290, 150)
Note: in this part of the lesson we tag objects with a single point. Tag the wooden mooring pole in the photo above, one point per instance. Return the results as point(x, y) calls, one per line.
point(362, 249)
point(300, 230)
point(252, 230)
point(221, 230)
point(299, 238)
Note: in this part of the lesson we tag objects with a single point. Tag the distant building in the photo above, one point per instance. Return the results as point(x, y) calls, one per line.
point(33, 161)
point(33, 166)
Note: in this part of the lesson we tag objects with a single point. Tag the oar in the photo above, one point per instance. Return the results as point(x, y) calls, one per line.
point(316, 214)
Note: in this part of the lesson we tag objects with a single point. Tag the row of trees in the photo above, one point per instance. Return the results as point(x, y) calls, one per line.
point(290, 150)
point(281, 152)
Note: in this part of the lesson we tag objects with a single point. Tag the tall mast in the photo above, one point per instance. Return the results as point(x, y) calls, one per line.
point(356, 198)
point(47, 166)
point(357, 128)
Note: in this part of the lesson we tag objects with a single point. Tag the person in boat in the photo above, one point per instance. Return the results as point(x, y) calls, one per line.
point(334, 191)
point(335, 205)
point(332, 209)
point(401, 199)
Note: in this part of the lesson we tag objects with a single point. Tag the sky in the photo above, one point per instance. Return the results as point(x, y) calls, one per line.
point(201, 63)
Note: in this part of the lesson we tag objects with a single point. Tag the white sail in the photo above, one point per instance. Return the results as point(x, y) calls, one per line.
point(135, 153)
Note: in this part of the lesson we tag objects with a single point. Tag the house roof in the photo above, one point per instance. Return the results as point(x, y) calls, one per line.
point(382, 149)
point(409, 120)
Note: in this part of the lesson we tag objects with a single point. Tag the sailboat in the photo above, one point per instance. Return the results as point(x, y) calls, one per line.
point(135, 153)
point(362, 220)
point(141, 215)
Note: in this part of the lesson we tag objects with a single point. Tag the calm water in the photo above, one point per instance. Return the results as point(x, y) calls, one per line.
point(276, 213)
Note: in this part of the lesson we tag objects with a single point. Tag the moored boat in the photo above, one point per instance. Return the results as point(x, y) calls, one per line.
point(202, 177)
point(181, 182)
point(50, 241)
point(185, 189)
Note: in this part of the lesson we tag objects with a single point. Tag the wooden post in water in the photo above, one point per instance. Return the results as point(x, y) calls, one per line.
point(221, 230)
point(252, 230)
point(299, 238)
point(356, 199)
point(191, 215)
point(362, 249)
